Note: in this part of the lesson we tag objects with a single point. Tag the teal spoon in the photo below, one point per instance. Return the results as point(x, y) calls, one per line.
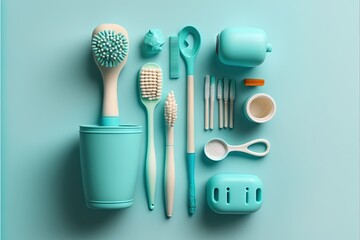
point(189, 52)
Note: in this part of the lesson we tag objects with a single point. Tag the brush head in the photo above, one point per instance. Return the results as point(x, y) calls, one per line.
point(170, 112)
point(150, 81)
point(109, 48)
point(111, 57)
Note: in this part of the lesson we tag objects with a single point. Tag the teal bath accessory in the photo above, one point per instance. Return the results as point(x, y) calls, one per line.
point(243, 47)
point(110, 46)
point(189, 50)
point(153, 42)
point(174, 56)
point(150, 89)
point(234, 193)
point(170, 115)
point(109, 153)
point(109, 158)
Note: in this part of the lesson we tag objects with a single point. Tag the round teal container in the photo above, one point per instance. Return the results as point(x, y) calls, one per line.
point(109, 158)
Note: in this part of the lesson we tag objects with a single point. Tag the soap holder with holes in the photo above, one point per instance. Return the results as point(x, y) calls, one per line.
point(234, 193)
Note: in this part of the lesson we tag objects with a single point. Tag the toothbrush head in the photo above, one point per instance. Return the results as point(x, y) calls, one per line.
point(150, 81)
point(170, 112)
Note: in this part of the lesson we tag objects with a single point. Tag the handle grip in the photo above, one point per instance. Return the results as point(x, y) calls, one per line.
point(191, 143)
point(221, 124)
point(191, 179)
point(206, 117)
point(110, 109)
point(231, 117)
point(245, 148)
point(150, 162)
point(190, 115)
point(226, 107)
point(211, 114)
point(169, 180)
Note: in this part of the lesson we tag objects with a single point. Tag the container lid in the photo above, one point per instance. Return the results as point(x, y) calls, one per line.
point(126, 128)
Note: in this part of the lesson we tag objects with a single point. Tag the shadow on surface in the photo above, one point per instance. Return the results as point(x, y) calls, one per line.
point(76, 214)
point(213, 221)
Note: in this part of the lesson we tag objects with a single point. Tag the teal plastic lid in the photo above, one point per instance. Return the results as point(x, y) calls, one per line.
point(126, 128)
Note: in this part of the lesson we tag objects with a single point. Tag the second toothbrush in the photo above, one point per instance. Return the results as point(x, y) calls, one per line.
point(170, 114)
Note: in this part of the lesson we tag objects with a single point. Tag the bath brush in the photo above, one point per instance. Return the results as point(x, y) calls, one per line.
point(110, 47)
point(150, 82)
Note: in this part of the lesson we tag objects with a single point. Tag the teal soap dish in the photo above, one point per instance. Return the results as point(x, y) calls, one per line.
point(234, 193)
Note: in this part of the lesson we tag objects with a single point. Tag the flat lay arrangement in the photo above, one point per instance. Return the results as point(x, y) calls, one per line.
point(109, 160)
point(79, 143)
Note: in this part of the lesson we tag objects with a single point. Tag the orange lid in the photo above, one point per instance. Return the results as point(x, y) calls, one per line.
point(253, 82)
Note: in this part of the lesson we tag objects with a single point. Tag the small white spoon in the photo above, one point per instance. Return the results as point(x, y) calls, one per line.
point(217, 149)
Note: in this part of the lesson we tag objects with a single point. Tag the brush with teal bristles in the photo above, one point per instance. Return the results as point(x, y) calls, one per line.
point(110, 46)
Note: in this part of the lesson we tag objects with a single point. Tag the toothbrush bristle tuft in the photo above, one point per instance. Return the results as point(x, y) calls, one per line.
point(151, 83)
point(170, 112)
point(109, 49)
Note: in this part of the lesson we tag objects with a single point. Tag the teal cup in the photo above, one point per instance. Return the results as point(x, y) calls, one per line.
point(109, 157)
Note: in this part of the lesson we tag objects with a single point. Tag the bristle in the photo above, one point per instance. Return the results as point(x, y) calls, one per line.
point(109, 49)
point(170, 112)
point(151, 83)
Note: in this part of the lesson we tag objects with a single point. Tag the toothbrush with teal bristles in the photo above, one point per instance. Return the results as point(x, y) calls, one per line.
point(110, 47)
point(150, 83)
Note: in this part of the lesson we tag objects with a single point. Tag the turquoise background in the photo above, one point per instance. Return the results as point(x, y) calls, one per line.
point(50, 85)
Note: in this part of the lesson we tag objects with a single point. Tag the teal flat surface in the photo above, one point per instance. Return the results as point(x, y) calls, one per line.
point(51, 85)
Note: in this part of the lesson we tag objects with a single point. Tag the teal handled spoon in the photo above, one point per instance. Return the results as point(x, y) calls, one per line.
point(189, 51)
